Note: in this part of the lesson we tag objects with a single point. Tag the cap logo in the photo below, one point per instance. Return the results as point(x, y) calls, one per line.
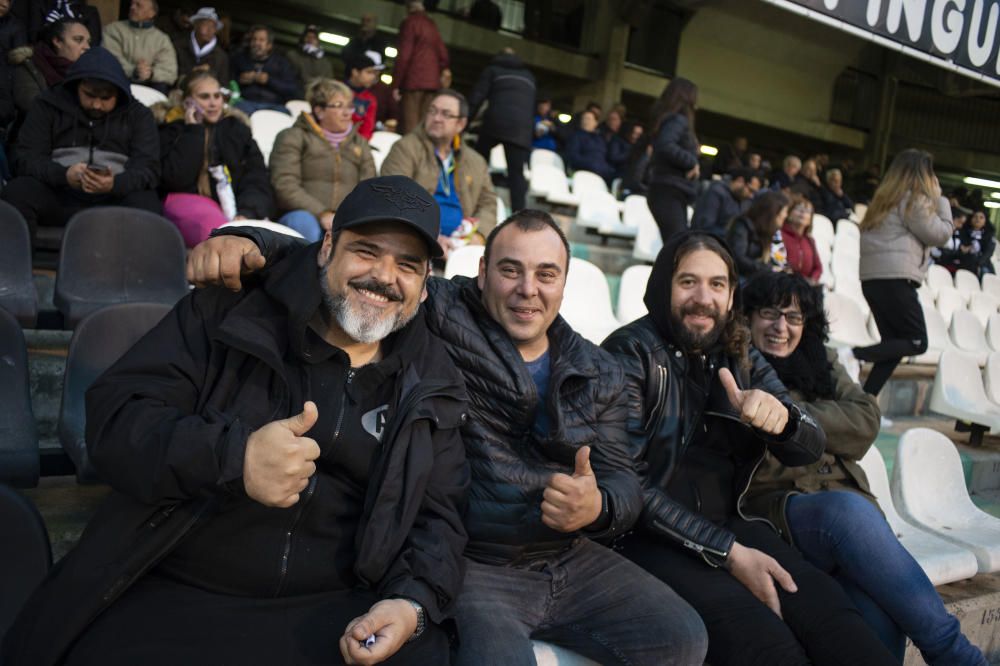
point(400, 199)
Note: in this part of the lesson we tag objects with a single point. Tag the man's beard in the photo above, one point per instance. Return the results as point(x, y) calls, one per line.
point(692, 340)
point(95, 114)
point(259, 54)
point(365, 324)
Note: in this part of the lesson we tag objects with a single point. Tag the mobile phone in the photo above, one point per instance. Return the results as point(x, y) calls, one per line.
point(199, 113)
point(101, 169)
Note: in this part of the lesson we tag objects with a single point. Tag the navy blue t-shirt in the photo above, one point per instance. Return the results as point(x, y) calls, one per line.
point(539, 370)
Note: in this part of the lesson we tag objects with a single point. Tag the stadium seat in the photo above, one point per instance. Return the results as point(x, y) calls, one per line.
point(549, 182)
point(264, 224)
point(17, 287)
point(498, 159)
point(991, 284)
point(993, 332)
point(147, 96)
point(25, 554)
point(822, 230)
point(631, 290)
point(18, 433)
point(859, 211)
point(928, 487)
point(463, 261)
point(547, 654)
point(98, 341)
point(690, 214)
point(938, 277)
point(636, 212)
point(925, 294)
point(991, 378)
point(586, 302)
point(297, 106)
point(118, 255)
point(849, 286)
point(983, 305)
point(968, 335)
point(648, 241)
point(848, 327)
point(596, 210)
point(958, 392)
point(872, 327)
point(502, 212)
point(265, 125)
point(543, 157)
point(967, 283)
point(938, 338)
point(844, 266)
point(586, 182)
point(381, 143)
point(949, 300)
point(941, 560)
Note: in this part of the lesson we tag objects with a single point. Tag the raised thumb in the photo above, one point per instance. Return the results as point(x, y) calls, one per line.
point(582, 467)
point(303, 422)
point(732, 389)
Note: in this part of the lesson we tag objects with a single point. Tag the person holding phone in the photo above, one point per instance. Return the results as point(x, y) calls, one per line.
point(212, 169)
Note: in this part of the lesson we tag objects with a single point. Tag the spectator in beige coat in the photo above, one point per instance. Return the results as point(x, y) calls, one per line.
point(144, 51)
point(318, 160)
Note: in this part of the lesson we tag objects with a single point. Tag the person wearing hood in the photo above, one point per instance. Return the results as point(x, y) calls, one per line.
point(707, 409)
point(508, 87)
point(38, 68)
point(267, 79)
point(309, 59)
point(200, 50)
point(144, 51)
point(85, 143)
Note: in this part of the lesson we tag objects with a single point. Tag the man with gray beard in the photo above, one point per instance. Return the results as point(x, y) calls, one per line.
point(289, 477)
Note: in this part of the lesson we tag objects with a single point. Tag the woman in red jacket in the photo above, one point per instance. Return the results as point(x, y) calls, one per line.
point(800, 247)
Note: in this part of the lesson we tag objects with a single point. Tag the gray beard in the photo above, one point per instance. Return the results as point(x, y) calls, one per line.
point(362, 324)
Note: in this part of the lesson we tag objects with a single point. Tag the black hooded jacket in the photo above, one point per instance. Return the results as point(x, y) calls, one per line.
point(509, 87)
point(57, 133)
point(698, 455)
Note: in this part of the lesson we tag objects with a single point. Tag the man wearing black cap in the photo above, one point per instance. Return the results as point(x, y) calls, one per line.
point(288, 473)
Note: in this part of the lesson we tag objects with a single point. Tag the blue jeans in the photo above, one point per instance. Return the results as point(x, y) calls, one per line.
point(844, 534)
point(587, 599)
point(303, 222)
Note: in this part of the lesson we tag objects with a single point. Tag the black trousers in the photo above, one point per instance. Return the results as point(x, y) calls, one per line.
point(901, 326)
point(669, 208)
point(516, 157)
point(42, 205)
point(820, 625)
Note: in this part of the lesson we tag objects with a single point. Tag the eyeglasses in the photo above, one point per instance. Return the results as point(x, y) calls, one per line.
point(774, 314)
point(337, 106)
point(447, 115)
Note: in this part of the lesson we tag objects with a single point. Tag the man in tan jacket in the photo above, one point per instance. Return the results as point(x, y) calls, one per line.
point(457, 177)
point(144, 51)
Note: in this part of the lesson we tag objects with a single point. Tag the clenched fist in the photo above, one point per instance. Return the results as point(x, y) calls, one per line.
point(279, 460)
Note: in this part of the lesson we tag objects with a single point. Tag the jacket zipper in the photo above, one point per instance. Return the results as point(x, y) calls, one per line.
point(307, 495)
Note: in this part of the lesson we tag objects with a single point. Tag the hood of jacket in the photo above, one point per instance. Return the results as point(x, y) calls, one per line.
point(98, 63)
point(510, 60)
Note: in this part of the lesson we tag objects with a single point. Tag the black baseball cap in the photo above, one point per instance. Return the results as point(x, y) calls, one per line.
point(392, 199)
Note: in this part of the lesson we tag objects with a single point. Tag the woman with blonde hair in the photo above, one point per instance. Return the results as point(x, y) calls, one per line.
point(906, 218)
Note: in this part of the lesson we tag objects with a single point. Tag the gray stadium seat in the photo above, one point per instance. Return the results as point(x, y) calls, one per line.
point(19, 462)
point(17, 289)
point(25, 554)
point(118, 255)
point(98, 341)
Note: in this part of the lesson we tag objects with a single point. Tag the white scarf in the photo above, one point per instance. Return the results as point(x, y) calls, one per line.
point(202, 51)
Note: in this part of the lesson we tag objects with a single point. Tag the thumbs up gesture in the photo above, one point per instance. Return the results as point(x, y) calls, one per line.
point(758, 408)
point(279, 460)
point(569, 502)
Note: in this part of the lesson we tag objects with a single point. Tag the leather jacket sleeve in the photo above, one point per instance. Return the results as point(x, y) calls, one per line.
point(273, 245)
point(653, 442)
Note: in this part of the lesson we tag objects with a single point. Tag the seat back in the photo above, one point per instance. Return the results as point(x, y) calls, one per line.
point(937, 330)
point(118, 255)
point(297, 106)
point(547, 179)
point(98, 341)
point(848, 326)
point(938, 277)
point(265, 125)
point(584, 183)
point(18, 432)
point(631, 290)
point(991, 284)
point(949, 300)
point(967, 333)
point(598, 209)
point(498, 159)
point(502, 212)
point(586, 302)
point(636, 212)
point(928, 481)
point(147, 96)
point(25, 554)
point(543, 157)
point(967, 282)
point(822, 230)
point(17, 287)
point(878, 483)
point(958, 388)
point(859, 211)
point(983, 305)
point(463, 261)
point(991, 377)
point(993, 331)
point(648, 241)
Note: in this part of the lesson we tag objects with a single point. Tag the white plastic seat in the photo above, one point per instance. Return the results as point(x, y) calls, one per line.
point(958, 392)
point(147, 96)
point(928, 487)
point(648, 241)
point(690, 214)
point(636, 211)
point(967, 283)
point(859, 211)
point(381, 143)
point(991, 284)
point(631, 291)
point(941, 560)
point(983, 305)
point(925, 294)
point(596, 210)
point(849, 286)
point(938, 277)
point(547, 654)
point(586, 302)
point(543, 157)
point(585, 182)
point(938, 339)
point(968, 335)
point(264, 224)
point(991, 378)
point(463, 261)
point(822, 230)
point(549, 181)
point(265, 126)
point(502, 212)
point(949, 300)
point(297, 106)
point(847, 323)
point(844, 265)
point(993, 332)
point(873, 328)
point(498, 159)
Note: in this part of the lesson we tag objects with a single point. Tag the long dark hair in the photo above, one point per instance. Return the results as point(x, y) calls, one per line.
point(762, 215)
point(680, 96)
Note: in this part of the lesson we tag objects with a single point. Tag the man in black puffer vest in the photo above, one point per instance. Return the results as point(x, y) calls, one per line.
point(710, 411)
point(549, 452)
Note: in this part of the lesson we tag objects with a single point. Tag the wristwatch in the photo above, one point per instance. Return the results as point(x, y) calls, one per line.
point(421, 619)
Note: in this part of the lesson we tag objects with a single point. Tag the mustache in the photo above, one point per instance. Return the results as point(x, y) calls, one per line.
point(377, 288)
point(700, 310)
